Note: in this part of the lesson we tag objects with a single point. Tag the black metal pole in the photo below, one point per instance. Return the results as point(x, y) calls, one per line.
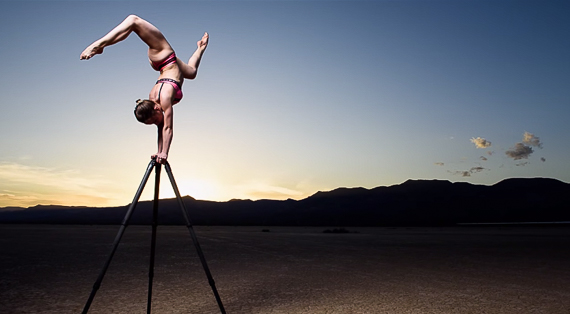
point(119, 236)
point(194, 238)
point(153, 238)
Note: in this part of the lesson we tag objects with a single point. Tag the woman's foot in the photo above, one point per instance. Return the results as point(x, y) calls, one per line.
point(90, 51)
point(203, 43)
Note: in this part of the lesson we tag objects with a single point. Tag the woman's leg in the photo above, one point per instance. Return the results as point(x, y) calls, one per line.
point(158, 47)
point(190, 70)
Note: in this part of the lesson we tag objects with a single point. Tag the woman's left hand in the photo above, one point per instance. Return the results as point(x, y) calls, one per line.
point(160, 157)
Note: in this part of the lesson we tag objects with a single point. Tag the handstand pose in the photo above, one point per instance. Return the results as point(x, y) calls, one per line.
point(168, 89)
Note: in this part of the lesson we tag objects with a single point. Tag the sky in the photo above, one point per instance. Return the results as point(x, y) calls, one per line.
point(291, 98)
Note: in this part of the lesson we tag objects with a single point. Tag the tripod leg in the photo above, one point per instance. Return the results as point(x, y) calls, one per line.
point(194, 238)
point(153, 240)
point(119, 236)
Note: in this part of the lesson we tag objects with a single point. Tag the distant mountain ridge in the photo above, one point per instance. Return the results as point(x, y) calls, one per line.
point(412, 203)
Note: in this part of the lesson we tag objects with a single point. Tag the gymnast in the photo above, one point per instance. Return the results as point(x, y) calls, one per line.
point(168, 88)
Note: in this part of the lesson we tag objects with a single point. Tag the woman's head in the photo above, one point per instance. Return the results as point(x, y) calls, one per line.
point(145, 111)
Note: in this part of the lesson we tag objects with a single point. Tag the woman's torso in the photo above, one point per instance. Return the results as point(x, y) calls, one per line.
point(166, 87)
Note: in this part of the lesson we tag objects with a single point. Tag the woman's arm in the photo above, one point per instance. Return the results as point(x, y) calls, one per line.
point(165, 132)
point(159, 141)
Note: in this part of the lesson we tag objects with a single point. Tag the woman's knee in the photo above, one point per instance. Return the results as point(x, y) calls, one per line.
point(132, 18)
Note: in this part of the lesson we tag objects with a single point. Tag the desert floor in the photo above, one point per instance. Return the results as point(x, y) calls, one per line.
point(52, 269)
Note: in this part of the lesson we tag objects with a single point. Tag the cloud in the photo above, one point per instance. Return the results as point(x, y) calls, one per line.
point(439, 163)
point(476, 169)
point(22, 185)
point(523, 150)
point(31, 198)
point(11, 197)
point(520, 151)
point(480, 142)
point(468, 172)
point(531, 139)
point(263, 190)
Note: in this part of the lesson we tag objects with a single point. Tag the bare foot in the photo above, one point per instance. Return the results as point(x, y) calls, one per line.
point(203, 43)
point(90, 51)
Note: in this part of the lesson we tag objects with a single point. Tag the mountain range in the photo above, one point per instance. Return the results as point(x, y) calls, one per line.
point(412, 203)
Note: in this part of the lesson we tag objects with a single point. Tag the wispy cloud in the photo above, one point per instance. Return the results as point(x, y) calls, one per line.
point(263, 190)
point(467, 173)
point(22, 185)
point(13, 199)
point(31, 198)
point(463, 173)
point(480, 142)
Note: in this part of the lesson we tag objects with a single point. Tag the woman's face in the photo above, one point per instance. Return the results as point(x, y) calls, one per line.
point(156, 118)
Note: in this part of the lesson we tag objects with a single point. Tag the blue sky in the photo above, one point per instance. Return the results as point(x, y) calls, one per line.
point(292, 97)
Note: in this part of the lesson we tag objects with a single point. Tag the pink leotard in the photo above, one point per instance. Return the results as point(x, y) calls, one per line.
point(177, 89)
point(158, 66)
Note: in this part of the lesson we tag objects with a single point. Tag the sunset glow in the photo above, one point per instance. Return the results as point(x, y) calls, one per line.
point(292, 97)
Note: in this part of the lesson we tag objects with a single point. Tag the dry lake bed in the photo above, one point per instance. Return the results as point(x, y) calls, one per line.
point(288, 270)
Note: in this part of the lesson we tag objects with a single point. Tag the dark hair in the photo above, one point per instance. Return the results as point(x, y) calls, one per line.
point(144, 109)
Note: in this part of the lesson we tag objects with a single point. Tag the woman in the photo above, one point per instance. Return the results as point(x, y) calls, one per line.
point(168, 89)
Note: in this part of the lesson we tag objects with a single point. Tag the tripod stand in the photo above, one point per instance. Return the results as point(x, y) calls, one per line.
point(125, 222)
